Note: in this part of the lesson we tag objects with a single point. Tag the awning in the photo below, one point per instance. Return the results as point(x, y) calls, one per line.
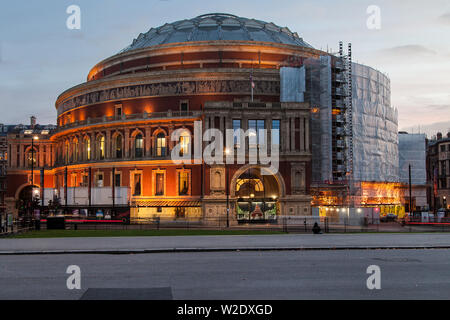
point(165, 203)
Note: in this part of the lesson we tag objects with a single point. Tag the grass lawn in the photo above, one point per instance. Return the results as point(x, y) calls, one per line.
point(136, 233)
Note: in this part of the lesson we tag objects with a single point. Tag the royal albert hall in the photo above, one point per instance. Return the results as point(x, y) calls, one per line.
point(111, 151)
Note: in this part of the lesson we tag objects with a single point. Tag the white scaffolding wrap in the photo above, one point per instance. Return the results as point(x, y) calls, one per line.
point(412, 150)
point(292, 84)
point(375, 129)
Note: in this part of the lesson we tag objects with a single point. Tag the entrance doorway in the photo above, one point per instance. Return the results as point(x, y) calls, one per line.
point(25, 200)
point(257, 196)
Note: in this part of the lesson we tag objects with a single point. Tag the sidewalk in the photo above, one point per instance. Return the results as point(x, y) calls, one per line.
point(118, 245)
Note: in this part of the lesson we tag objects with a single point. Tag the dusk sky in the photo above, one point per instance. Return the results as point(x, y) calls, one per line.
point(40, 57)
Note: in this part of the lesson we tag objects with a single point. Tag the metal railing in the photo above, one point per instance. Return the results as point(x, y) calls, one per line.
point(129, 117)
point(281, 224)
point(18, 226)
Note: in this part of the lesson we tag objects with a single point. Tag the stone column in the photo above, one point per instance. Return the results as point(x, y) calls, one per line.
point(108, 144)
point(127, 142)
point(13, 156)
point(268, 138)
point(302, 141)
point(21, 155)
point(93, 146)
point(307, 134)
point(287, 135)
point(48, 160)
point(169, 142)
point(148, 140)
point(292, 133)
point(41, 162)
point(54, 151)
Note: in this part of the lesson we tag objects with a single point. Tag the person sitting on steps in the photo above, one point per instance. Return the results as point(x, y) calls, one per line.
point(316, 229)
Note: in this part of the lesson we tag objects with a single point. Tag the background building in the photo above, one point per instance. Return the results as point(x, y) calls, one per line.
point(29, 152)
point(412, 153)
point(438, 171)
point(3, 165)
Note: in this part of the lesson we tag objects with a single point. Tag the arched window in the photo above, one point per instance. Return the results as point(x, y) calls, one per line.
point(185, 143)
point(87, 149)
point(161, 145)
point(75, 150)
point(249, 184)
point(100, 147)
point(118, 146)
point(138, 146)
point(31, 158)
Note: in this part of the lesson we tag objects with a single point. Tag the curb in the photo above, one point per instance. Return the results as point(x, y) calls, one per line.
point(181, 250)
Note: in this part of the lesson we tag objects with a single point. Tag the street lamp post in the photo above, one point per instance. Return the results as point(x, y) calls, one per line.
point(410, 191)
point(32, 174)
point(32, 158)
point(227, 152)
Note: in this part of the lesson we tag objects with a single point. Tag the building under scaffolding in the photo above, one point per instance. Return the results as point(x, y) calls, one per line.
point(354, 132)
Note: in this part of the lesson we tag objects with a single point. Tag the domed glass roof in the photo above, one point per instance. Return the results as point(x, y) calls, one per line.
point(216, 26)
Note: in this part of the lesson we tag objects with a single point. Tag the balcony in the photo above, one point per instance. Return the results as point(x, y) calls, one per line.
point(130, 118)
point(60, 162)
point(79, 196)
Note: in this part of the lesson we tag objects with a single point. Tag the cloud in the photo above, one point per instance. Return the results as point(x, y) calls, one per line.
point(438, 107)
point(412, 49)
point(445, 18)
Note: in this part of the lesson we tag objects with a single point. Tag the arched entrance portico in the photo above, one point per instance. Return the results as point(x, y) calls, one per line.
point(256, 191)
point(24, 197)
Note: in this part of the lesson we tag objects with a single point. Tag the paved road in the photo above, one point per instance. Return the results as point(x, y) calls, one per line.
point(405, 274)
point(205, 242)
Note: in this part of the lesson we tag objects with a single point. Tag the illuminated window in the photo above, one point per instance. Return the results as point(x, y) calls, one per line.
point(101, 147)
point(184, 143)
point(253, 184)
point(159, 184)
point(137, 184)
point(118, 146)
point(183, 182)
point(75, 150)
point(161, 145)
point(87, 149)
point(31, 158)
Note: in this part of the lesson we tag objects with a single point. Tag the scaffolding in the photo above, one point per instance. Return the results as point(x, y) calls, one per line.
point(353, 126)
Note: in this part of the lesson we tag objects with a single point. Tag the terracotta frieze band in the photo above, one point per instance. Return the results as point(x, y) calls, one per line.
point(170, 89)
